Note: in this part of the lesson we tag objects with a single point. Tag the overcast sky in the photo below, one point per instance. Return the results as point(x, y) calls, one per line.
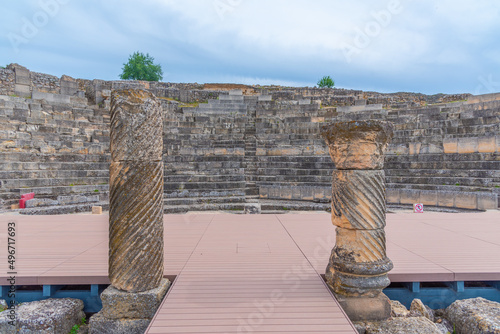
point(428, 46)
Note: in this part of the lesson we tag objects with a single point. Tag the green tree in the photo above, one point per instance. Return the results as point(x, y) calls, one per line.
point(326, 81)
point(141, 67)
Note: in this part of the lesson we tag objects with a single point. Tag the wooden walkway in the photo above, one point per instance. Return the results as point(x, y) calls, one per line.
point(254, 273)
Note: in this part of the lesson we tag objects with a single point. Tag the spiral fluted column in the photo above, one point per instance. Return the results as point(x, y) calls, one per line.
point(136, 191)
point(358, 266)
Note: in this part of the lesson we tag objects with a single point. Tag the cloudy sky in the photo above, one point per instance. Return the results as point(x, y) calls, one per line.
point(428, 46)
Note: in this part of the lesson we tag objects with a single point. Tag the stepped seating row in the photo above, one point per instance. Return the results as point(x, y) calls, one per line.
point(205, 153)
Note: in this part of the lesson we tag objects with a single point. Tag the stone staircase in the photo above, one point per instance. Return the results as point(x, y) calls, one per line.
point(57, 150)
point(205, 156)
point(251, 189)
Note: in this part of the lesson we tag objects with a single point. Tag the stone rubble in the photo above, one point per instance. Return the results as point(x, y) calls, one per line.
point(468, 316)
point(45, 316)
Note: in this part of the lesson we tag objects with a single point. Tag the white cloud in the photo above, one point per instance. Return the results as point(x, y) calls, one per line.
point(294, 41)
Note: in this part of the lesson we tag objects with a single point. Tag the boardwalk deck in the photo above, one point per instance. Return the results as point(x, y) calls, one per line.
point(256, 273)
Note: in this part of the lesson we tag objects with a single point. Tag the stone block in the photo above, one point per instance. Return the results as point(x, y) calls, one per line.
point(467, 145)
point(252, 208)
point(428, 197)
point(450, 145)
point(366, 309)
point(236, 92)
point(296, 193)
point(392, 196)
point(69, 86)
point(97, 210)
point(474, 316)
point(414, 325)
point(465, 200)
point(35, 202)
point(118, 304)
point(446, 198)
point(409, 196)
point(487, 144)
point(431, 149)
point(77, 199)
point(306, 193)
point(263, 192)
point(399, 149)
point(100, 325)
point(44, 316)
point(23, 80)
point(319, 194)
point(51, 98)
point(274, 192)
point(285, 193)
point(487, 201)
point(22, 90)
point(369, 107)
point(414, 148)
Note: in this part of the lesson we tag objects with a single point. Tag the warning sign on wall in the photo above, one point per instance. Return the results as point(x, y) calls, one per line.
point(418, 208)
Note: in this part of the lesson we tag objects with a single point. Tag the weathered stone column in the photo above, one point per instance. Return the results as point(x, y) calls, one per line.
point(136, 191)
point(358, 266)
point(135, 215)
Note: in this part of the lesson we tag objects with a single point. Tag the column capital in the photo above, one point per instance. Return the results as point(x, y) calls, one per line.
point(358, 144)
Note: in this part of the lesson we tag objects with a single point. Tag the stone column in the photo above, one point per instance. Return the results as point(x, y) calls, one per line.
point(358, 266)
point(135, 215)
point(136, 191)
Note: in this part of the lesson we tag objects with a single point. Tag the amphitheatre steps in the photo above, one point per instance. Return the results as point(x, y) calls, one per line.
point(64, 209)
point(203, 186)
point(236, 147)
point(53, 149)
point(212, 203)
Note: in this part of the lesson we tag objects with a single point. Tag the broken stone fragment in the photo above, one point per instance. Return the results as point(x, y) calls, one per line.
point(418, 308)
point(413, 325)
point(398, 309)
point(44, 316)
point(474, 316)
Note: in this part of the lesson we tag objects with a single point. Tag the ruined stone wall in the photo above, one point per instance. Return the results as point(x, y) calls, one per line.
point(45, 83)
point(7, 81)
point(349, 97)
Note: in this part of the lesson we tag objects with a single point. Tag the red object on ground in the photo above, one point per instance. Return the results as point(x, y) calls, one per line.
point(24, 198)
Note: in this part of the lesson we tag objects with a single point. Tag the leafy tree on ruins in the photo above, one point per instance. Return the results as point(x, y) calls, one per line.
point(141, 67)
point(326, 81)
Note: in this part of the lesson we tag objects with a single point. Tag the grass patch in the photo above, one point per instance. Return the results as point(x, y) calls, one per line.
point(75, 328)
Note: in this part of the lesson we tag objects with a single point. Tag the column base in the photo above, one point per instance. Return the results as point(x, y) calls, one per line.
point(127, 312)
point(365, 308)
point(102, 325)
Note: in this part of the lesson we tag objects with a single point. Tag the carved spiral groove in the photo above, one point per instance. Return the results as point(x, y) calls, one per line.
point(358, 199)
